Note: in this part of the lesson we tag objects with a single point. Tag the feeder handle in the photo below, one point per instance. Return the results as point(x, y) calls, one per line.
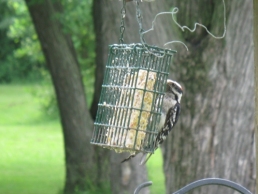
point(122, 23)
point(139, 20)
point(138, 17)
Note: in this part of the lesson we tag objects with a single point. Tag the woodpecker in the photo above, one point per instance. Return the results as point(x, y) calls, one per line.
point(169, 115)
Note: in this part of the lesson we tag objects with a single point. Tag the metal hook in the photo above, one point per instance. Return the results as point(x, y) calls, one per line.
point(141, 186)
point(213, 181)
point(202, 182)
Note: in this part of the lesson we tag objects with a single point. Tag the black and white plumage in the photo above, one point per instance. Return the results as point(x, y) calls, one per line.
point(170, 110)
point(169, 114)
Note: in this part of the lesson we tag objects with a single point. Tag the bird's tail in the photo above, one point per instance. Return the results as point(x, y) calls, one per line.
point(145, 158)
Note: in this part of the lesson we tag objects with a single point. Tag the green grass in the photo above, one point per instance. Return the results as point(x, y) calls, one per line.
point(31, 158)
point(155, 173)
point(31, 144)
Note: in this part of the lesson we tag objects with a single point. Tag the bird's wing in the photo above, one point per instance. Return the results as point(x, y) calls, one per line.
point(171, 120)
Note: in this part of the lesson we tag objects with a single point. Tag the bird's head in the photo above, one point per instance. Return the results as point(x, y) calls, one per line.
point(174, 88)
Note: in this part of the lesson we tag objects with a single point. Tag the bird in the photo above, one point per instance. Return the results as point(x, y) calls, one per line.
point(170, 111)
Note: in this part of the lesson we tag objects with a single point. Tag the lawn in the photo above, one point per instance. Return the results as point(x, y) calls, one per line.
point(32, 158)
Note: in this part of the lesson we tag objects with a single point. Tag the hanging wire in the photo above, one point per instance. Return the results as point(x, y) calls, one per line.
point(122, 24)
point(174, 11)
point(139, 20)
point(183, 28)
point(201, 25)
point(141, 31)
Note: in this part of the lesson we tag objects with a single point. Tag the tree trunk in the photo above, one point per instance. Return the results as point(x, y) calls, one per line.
point(215, 133)
point(255, 37)
point(107, 14)
point(75, 118)
point(127, 176)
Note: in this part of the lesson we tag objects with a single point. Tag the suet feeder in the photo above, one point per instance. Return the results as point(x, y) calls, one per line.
point(131, 97)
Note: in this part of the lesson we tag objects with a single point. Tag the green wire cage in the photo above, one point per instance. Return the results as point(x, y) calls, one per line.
point(132, 93)
point(131, 97)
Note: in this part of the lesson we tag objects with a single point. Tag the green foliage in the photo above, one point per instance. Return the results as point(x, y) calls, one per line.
point(21, 56)
point(77, 21)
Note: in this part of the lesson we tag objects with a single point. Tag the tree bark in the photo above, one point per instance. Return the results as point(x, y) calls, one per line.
point(65, 72)
point(255, 37)
point(215, 133)
point(125, 177)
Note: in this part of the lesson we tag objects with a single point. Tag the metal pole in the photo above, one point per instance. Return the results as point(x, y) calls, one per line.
point(141, 186)
point(202, 182)
point(255, 38)
point(213, 181)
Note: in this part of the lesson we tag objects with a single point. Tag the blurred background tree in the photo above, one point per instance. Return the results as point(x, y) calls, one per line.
point(215, 136)
point(63, 65)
